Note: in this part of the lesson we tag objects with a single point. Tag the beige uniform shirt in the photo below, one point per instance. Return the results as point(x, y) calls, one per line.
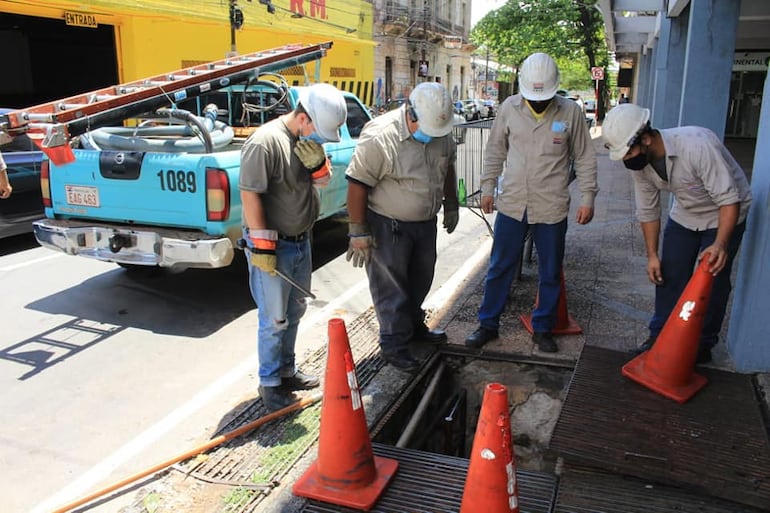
point(702, 176)
point(405, 177)
point(532, 157)
point(2, 162)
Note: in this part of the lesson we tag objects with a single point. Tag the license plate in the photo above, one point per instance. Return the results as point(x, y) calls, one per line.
point(82, 195)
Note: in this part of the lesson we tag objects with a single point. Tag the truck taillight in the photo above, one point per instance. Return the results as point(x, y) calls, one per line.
point(45, 183)
point(217, 194)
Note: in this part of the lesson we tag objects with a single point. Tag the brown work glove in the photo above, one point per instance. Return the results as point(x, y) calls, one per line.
point(263, 250)
point(313, 157)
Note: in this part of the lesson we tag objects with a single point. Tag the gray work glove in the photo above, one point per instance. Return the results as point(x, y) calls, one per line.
point(310, 153)
point(360, 244)
point(451, 215)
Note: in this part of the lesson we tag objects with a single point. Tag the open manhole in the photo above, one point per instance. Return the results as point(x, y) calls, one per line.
point(438, 411)
point(429, 429)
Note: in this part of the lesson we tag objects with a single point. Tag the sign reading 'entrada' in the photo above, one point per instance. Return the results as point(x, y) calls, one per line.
point(78, 19)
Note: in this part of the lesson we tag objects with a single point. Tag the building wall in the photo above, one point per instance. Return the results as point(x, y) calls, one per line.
point(400, 34)
point(154, 36)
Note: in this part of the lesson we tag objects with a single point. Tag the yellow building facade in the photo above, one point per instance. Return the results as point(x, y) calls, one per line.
point(152, 37)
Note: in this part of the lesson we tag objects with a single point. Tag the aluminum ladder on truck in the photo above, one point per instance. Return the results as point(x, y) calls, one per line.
point(52, 124)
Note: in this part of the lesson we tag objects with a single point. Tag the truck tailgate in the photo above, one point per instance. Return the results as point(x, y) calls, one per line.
point(167, 189)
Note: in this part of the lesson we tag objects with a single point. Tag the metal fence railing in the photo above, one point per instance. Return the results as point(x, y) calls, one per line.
point(471, 138)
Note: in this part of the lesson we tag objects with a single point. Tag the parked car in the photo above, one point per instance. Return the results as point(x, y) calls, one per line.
point(25, 203)
point(476, 109)
point(491, 105)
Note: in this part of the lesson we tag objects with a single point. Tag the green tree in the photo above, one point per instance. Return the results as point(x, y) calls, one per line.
point(572, 32)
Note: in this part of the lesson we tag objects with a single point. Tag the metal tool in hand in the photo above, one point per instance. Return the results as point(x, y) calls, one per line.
point(295, 284)
point(242, 244)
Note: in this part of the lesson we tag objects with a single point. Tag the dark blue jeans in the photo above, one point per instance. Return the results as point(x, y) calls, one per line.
point(400, 275)
point(679, 256)
point(506, 253)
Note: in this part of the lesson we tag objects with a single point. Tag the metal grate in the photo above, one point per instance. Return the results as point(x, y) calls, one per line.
point(261, 459)
point(587, 490)
point(434, 483)
point(715, 443)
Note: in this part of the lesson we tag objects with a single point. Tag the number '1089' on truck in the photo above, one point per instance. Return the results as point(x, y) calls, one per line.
point(164, 192)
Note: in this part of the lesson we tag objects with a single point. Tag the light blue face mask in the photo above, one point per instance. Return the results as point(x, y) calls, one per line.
point(422, 137)
point(313, 137)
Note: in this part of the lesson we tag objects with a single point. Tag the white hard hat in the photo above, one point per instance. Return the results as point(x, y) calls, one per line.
point(326, 107)
point(538, 77)
point(432, 108)
point(622, 126)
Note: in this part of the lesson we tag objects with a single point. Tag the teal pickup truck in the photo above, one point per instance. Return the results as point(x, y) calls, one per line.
point(163, 196)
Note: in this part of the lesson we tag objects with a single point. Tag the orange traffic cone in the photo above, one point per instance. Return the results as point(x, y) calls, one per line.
point(565, 324)
point(668, 368)
point(346, 472)
point(491, 485)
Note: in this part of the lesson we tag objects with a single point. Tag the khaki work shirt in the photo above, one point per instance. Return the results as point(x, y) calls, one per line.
point(270, 167)
point(405, 177)
point(533, 158)
point(702, 176)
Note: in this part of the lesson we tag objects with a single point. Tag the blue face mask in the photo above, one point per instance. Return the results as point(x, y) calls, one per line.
point(313, 137)
point(421, 137)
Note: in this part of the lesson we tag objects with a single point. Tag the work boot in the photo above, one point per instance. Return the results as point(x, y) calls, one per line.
point(401, 360)
point(421, 333)
point(646, 345)
point(276, 398)
point(545, 342)
point(480, 337)
point(300, 381)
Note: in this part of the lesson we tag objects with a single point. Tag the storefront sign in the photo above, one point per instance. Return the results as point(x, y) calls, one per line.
point(79, 19)
point(751, 61)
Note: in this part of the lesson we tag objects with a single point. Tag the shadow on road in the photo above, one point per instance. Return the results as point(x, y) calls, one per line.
point(17, 243)
point(194, 303)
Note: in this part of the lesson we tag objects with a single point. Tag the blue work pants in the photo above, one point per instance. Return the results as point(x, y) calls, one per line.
point(400, 276)
point(679, 256)
point(280, 307)
point(506, 252)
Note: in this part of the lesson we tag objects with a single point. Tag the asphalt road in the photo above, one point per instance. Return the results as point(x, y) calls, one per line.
point(105, 373)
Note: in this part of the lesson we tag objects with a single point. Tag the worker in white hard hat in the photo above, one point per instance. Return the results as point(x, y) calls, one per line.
point(401, 174)
point(711, 198)
point(534, 138)
point(281, 164)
